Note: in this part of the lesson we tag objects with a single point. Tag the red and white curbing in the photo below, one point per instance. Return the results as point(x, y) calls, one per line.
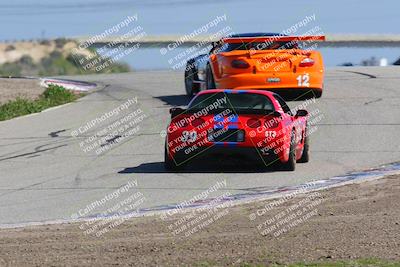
point(68, 84)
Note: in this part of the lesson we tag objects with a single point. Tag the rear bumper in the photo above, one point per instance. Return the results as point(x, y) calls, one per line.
point(287, 81)
point(295, 93)
point(226, 151)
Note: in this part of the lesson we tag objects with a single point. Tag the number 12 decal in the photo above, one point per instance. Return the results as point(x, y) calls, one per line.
point(303, 80)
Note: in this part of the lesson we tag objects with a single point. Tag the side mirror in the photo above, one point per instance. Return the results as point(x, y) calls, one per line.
point(301, 113)
point(214, 44)
point(175, 111)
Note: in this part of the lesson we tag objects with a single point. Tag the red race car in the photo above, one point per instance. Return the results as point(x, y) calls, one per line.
point(255, 125)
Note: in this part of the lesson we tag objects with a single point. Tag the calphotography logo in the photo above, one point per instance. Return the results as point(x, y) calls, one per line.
point(208, 211)
point(111, 128)
point(116, 42)
point(200, 40)
point(103, 215)
point(201, 30)
point(281, 220)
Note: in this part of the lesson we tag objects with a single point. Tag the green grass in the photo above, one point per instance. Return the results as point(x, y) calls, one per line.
point(54, 95)
point(349, 263)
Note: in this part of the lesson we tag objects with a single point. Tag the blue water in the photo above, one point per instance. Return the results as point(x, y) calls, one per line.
point(151, 59)
point(29, 19)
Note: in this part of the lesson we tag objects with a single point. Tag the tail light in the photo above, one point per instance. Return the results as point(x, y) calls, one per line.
point(253, 123)
point(272, 123)
point(307, 62)
point(197, 122)
point(239, 64)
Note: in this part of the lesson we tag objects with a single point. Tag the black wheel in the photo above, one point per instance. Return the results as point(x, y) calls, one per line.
point(290, 165)
point(169, 164)
point(317, 93)
point(305, 156)
point(210, 78)
point(190, 75)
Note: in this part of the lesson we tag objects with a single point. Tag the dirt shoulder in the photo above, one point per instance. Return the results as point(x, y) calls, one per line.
point(358, 221)
point(10, 89)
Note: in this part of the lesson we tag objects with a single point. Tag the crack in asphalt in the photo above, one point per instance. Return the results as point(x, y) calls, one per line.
point(55, 134)
point(362, 73)
point(373, 101)
point(32, 153)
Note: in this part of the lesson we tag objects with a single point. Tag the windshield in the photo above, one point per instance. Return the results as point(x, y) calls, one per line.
point(235, 101)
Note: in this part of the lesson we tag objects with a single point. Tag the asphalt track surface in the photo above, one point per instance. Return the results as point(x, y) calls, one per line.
point(45, 174)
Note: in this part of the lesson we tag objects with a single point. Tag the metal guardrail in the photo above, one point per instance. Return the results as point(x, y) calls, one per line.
point(332, 40)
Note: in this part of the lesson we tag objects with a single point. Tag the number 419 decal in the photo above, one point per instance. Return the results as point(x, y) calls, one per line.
point(303, 80)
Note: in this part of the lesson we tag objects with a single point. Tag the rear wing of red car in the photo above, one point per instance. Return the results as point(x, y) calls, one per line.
point(272, 39)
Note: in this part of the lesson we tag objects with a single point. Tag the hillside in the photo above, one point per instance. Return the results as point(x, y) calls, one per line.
point(49, 58)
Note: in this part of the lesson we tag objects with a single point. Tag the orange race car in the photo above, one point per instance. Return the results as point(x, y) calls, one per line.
point(266, 61)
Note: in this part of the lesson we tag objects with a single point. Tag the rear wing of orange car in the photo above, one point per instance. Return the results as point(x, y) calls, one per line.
point(272, 39)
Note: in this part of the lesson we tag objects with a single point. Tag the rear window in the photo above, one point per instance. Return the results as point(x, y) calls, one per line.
point(283, 104)
point(258, 46)
point(235, 101)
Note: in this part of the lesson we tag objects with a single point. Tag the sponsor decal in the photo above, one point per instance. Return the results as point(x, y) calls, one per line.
point(273, 80)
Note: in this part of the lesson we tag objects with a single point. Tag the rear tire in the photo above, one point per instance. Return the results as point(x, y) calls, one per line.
point(290, 165)
point(305, 156)
point(190, 75)
point(210, 83)
point(317, 93)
